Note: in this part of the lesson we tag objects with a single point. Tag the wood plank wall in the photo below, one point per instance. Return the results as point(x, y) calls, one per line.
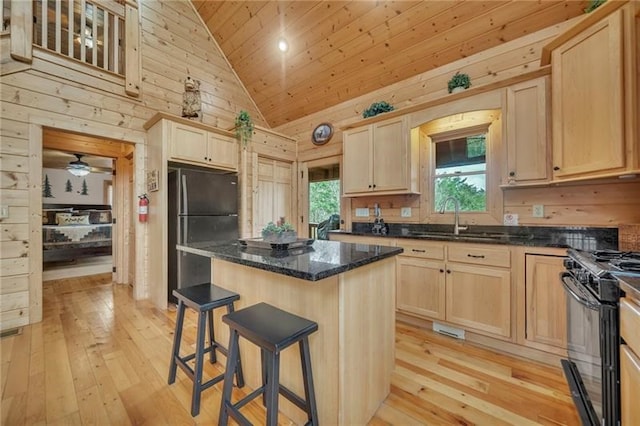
point(71, 96)
point(603, 204)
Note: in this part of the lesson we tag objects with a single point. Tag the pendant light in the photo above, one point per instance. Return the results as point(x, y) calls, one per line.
point(78, 168)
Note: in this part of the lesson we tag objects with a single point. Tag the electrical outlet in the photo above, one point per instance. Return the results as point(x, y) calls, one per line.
point(4, 211)
point(362, 212)
point(538, 210)
point(405, 212)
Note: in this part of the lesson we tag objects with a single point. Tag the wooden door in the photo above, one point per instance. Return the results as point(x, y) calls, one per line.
point(357, 160)
point(546, 303)
point(479, 298)
point(527, 132)
point(390, 155)
point(588, 120)
point(420, 287)
point(272, 193)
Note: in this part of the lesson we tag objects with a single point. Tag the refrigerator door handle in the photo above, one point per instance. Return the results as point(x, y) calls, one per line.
point(185, 198)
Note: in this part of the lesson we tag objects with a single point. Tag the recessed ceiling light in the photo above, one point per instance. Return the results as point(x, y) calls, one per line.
point(283, 45)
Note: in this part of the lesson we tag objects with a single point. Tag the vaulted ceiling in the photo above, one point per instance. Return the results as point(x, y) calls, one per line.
point(340, 50)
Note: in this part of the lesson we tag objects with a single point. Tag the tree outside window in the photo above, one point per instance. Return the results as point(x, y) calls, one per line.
point(324, 200)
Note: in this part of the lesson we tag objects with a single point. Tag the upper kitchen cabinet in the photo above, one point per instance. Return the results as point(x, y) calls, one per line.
point(527, 133)
point(202, 147)
point(595, 95)
point(381, 157)
point(205, 147)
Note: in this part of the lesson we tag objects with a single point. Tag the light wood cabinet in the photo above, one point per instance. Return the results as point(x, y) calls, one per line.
point(199, 146)
point(456, 283)
point(479, 297)
point(630, 360)
point(528, 133)
point(545, 302)
point(420, 284)
point(381, 157)
point(595, 97)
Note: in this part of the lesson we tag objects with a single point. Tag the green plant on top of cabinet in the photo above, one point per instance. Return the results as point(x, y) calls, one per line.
point(595, 99)
point(527, 133)
point(198, 146)
point(380, 157)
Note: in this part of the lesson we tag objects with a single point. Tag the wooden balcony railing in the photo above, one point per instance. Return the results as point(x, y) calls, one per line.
point(92, 32)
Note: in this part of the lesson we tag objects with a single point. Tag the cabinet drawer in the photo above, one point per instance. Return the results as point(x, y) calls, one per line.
point(630, 323)
point(424, 249)
point(480, 255)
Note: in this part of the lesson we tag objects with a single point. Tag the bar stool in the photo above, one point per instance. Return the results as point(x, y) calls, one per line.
point(273, 330)
point(203, 298)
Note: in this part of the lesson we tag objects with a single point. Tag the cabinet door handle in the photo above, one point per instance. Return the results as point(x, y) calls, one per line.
point(418, 251)
point(374, 185)
point(441, 271)
point(476, 256)
point(556, 168)
point(369, 186)
point(448, 271)
point(512, 174)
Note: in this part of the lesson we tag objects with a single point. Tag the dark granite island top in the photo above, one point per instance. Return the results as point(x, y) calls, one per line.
point(320, 260)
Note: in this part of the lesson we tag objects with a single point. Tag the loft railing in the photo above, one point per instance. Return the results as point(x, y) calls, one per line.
point(92, 32)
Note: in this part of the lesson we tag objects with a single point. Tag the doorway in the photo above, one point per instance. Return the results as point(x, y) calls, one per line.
point(321, 197)
point(111, 163)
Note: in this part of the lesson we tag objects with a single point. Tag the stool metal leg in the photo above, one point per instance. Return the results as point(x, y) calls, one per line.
point(307, 376)
point(232, 359)
point(199, 359)
point(263, 364)
point(273, 385)
point(212, 339)
point(177, 338)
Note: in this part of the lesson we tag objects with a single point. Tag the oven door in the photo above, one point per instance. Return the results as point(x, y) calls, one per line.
point(583, 369)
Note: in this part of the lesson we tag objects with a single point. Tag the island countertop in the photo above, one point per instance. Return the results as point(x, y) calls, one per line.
point(320, 260)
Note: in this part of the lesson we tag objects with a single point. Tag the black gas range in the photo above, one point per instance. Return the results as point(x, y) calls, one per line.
point(593, 335)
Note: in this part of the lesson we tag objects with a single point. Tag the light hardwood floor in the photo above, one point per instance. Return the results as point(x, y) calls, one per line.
point(99, 357)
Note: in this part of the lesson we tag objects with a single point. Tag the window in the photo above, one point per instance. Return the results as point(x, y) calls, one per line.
point(461, 170)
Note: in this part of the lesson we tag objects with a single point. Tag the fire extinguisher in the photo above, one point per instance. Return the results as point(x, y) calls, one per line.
point(143, 208)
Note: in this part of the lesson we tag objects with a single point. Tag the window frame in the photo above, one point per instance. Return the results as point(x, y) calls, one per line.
point(459, 125)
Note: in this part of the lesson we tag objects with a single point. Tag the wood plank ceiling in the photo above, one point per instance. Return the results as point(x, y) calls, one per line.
point(340, 50)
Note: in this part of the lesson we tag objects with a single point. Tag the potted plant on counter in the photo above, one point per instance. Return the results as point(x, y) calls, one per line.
point(279, 233)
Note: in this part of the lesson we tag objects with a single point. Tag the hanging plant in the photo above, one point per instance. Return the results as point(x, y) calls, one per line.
point(593, 5)
point(377, 108)
point(459, 80)
point(244, 128)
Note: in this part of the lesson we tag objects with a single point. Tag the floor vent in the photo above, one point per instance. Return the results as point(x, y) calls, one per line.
point(11, 332)
point(448, 331)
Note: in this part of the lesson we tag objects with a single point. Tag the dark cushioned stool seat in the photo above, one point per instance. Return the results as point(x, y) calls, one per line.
point(273, 330)
point(203, 298)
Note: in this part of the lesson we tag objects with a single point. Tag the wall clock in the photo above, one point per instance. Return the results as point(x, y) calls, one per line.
point(322, 134)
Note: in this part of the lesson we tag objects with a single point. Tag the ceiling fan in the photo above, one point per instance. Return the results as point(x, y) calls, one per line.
point(79, 168)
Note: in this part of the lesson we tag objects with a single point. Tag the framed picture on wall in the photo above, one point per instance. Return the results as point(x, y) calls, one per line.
point(153, 180)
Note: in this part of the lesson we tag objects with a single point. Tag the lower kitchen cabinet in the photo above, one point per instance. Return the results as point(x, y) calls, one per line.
point(420, 287)
point(545, 302)
point(479, 298)
point(630, 360)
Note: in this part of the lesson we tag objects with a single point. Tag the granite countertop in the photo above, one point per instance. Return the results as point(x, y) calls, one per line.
point(582, 238)
point(320, 260)
point(630, 285)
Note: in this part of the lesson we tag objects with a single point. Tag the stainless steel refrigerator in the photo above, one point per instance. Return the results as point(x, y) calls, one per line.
point(203, 206)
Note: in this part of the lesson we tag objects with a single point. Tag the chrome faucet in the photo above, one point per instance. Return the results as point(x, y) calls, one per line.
point(456, 215)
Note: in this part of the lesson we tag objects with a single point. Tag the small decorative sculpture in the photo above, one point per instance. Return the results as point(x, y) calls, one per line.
point(191, 101)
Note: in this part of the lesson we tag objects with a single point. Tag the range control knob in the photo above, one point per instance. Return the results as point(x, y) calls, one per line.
point(569, 264)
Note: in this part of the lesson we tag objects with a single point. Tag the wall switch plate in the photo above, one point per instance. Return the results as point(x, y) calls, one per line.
point(4, 211)
point(362, 212)
point(405, 212)
point(510, 219)
point(538, 210)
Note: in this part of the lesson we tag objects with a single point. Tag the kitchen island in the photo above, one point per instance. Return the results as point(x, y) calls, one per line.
point(348, 289)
